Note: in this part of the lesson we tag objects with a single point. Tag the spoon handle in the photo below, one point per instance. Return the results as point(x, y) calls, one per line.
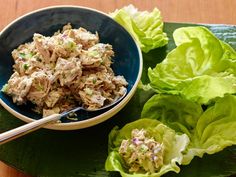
point(27, 128)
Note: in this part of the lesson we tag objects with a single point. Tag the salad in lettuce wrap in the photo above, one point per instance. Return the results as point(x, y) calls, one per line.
point(145, 147)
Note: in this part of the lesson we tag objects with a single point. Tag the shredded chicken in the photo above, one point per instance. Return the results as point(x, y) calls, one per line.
point(71, 68)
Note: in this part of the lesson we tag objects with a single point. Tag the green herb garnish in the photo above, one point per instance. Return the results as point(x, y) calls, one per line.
point(25, 66)
point(22, 55)
point(94, 80)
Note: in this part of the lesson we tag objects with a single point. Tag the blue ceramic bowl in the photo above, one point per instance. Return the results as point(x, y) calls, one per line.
point(127, 61)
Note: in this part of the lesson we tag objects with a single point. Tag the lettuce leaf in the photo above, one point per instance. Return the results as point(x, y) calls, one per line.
point(145, 27)
point(210, 131)
point(177, 113)
point(174, 146)
point(215, 129)
point(200, 68)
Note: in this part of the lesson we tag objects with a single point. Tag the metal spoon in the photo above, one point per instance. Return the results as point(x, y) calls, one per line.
point(27, 128)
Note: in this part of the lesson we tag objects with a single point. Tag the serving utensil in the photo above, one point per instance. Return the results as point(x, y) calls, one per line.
point(37, 124)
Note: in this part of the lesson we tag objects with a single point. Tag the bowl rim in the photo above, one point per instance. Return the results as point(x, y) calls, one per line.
point(94, 120)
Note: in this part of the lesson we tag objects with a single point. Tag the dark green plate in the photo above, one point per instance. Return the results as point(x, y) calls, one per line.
point(49, 153)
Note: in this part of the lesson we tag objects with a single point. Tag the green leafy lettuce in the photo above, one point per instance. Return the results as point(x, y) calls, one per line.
point(177, 113)
point(145, 27)
point(210, 131)
point(174, 145)
point(215, 129)
point(200, 68)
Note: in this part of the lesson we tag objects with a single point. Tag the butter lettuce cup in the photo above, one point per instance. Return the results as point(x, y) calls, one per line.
point(145, 147)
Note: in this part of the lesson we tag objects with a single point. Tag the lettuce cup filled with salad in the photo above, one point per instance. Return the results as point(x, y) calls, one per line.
point(145, 147)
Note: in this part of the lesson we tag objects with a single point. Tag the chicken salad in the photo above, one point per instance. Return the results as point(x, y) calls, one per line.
point(60, 72)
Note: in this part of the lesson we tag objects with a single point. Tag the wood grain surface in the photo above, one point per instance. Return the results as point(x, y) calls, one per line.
point(194, 11)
